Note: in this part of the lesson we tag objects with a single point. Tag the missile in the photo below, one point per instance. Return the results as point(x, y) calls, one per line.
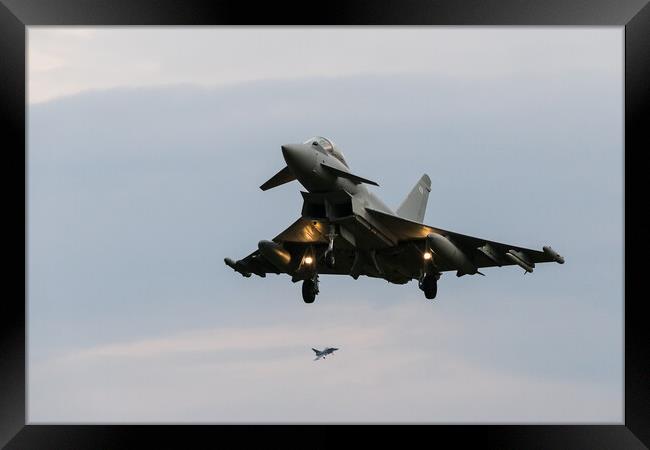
point(445, 248)
point(521, 260)
point(275, 254)
point(553, 254)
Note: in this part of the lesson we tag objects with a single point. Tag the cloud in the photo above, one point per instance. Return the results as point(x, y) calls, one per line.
point(136, 195)
point(101, 58)
point(44, 62)
point(384, 372)
point(265, 338)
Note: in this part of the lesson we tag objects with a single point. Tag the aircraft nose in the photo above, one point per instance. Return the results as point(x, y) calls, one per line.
point(299, 157)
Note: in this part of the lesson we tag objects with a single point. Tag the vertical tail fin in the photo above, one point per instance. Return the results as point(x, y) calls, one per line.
point(415, 204)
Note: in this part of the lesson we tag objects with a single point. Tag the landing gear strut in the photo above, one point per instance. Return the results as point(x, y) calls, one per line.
point(329, 253)
point(310, 289)
point(329, 259)
point(429, 284)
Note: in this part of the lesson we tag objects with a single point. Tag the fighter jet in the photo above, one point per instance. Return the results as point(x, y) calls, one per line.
point(323, 353)
point(345, 229)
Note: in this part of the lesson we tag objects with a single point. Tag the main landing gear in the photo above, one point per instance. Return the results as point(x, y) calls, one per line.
point(310, 289)
point(310, 286)
point(429, 284)
point(329, 259)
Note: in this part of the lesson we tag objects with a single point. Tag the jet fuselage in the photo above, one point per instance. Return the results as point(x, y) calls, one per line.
point(307, 162)
point(344, 229)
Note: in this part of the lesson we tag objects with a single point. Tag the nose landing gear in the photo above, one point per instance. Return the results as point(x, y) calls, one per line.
point(329, 253)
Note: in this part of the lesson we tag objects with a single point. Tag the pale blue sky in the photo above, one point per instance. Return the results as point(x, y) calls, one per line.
point(146, 148)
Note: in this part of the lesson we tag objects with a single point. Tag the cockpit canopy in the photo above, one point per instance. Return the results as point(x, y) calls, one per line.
point(326, 146)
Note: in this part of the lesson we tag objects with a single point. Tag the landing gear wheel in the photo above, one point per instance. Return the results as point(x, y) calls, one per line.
point(329, 259)
point(309, 291)
point(429, 286)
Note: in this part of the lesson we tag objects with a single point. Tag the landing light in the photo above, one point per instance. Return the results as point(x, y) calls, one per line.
point(308, 260)
point(427, 256)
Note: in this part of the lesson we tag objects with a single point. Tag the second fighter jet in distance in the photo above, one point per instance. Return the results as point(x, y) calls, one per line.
point(323, 353)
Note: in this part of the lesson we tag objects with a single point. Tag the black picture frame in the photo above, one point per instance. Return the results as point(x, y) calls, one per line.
point(16, 15)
